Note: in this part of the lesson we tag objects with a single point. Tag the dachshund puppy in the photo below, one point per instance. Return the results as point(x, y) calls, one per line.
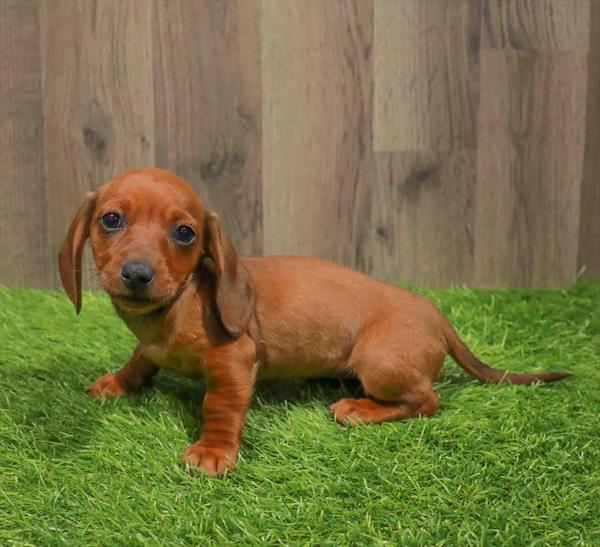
point(175, 279)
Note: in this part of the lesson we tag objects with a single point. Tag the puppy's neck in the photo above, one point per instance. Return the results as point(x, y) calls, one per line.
point(156, 325)
point(147, 326)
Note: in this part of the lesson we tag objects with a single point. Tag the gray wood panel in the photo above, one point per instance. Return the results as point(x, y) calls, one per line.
point(317, 111)
point(98, 101)
point(24, 257)
point(426, 75)
point(588, 260)
point(530, 167)
point(542, 25)
point(208, 107)
point(423, 217)
point(432, 142)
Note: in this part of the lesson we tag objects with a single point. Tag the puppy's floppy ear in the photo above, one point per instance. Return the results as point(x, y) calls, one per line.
point(69, 258)
point(235, 292)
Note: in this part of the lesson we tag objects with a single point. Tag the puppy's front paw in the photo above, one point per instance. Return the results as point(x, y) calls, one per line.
point(213, 461)
point(108, 385)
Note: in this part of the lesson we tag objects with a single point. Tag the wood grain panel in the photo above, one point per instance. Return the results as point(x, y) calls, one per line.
point(208, 107)
point(426, 75)
point(25, 257)
point(530, 157)
point(423, 216)
point(428, 141)
point(317, 108)
point(543, 25)
point(588, 261)
point(98, 100)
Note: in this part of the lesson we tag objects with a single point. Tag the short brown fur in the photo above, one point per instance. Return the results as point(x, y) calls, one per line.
point(235, 320)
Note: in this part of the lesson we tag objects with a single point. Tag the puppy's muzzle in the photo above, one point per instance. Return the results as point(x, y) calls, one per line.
point(137, 276)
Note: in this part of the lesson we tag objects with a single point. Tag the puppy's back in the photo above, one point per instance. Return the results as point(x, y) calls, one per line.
point(312, 311)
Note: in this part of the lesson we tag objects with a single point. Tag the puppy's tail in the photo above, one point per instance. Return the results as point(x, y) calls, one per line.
point(465, 358)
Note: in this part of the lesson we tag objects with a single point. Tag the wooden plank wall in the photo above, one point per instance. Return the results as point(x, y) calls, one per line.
point(25, 249)
point(438, 142)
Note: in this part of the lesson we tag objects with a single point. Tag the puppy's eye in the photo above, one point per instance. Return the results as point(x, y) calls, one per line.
point(184, 235)
point(112, 222)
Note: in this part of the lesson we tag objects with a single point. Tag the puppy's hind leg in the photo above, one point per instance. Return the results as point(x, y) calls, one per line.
point(134, 375)
point(364, 411)
point(397, 390)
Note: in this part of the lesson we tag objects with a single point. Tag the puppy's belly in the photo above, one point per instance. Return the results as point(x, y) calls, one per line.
point(286, 371)
point(289, 360)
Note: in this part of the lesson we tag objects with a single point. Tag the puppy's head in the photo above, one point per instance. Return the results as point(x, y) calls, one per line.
point(148, 233)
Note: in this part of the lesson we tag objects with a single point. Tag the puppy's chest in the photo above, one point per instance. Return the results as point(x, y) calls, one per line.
point(173, 357)
point(179, 350)
point(173, 344)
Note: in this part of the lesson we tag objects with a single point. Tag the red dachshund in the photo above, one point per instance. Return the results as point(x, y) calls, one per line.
point(175, 279)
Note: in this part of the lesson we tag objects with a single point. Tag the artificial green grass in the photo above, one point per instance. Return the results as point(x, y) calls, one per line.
point(498, 465)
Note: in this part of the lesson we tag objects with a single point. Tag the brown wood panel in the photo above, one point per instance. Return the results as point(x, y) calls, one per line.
point(208, 106)
point(535, 24)
point(25, 257)
point(98, 100)
point(423, 216)
point(588, 261)
point(388, 139)
point(426, 75)
point(317, 112)
point(530, 157)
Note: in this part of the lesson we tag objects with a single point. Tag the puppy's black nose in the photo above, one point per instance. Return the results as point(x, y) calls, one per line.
point(137, 275)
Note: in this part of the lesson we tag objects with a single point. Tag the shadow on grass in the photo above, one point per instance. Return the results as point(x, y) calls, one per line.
point(189, 392)
point(53, 414)
point(49, 409)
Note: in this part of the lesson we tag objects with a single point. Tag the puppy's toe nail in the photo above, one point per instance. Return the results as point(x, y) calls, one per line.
point(211, 466)
point(191, 459)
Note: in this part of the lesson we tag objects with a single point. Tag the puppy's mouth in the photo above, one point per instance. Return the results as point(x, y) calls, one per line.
point(136, 305)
